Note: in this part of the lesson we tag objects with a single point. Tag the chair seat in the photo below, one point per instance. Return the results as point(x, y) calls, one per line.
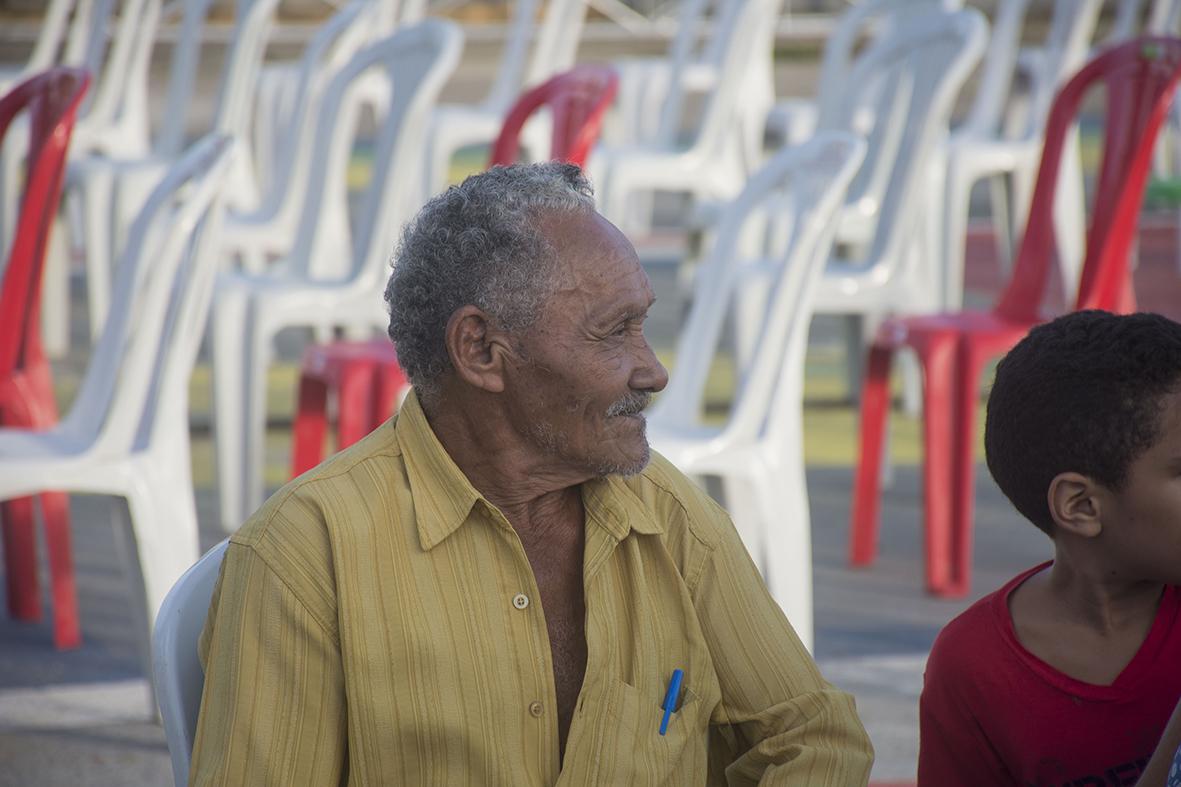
point(976, 326)
point(365, 379)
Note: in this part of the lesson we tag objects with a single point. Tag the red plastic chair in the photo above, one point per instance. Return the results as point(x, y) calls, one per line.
point(577, 100)
point(1140, 78)
point(26, 384)
point(364, 376)
point(368, 384)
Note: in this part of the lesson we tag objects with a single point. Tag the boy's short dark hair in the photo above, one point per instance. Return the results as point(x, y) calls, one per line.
point(1079, 394)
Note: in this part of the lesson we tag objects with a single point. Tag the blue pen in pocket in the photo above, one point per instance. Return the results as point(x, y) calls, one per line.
point(670, 699)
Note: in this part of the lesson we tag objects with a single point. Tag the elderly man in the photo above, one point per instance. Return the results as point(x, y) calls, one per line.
point(497, 586)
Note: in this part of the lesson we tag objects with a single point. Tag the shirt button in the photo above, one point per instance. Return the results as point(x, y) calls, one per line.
point(520, 601)
point(535, 709)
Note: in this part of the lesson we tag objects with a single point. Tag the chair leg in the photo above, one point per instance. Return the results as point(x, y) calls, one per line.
point(98, 195)
point(782, 505)
point(939, 360)
point(964, 489)
point(863, 537)
point(311, 420)
point(55, 508)
point(20, 558)
point(27, 403)
point(230, 311)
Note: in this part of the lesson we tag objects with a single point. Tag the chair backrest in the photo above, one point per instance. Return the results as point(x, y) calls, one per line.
point(52, 100)
point(176, 669)
point(120, 96)
point(52, 35)
point(1071, 25)
point(554, 46)
point(1163, 18)
point(414, 63)
point(332, 45)
point(169, 141)
point(791, 205)
point(252, 25)
point(1139, 78)
point(734, 50)
point(864, 21)
point(136, 383)
point(577, 100)
point(907, 81)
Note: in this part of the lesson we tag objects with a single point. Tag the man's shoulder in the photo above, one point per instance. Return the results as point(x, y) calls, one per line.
point(296, 522)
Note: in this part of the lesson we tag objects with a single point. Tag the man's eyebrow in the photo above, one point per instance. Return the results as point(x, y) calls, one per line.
point(634, 313)
point(627, 311)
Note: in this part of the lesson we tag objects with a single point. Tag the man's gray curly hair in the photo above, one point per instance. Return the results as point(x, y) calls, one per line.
point(477, 243)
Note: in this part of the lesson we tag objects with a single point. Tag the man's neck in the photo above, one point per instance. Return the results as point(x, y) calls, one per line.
point(532, 491)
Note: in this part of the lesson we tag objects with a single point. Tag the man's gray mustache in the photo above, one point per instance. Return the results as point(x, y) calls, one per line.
point(632, 404)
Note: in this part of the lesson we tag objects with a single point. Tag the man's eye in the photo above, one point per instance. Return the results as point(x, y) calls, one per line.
point(620, 331)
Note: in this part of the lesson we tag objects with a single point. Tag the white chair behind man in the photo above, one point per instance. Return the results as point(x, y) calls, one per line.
point(792, 204)
point(176, 671)
point(249, 311)
point(127, 431)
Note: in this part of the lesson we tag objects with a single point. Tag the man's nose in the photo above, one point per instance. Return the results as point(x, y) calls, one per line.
point(649, 373)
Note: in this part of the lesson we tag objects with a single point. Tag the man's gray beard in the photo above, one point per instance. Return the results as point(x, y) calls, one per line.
point(557, 443)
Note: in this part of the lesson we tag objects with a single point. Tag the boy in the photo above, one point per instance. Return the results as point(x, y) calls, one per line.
point(1068, 674)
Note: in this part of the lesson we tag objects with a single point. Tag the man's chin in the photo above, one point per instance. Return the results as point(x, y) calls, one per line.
point(626, 468)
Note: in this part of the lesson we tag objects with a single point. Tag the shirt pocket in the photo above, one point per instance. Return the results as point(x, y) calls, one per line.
point(634, 752)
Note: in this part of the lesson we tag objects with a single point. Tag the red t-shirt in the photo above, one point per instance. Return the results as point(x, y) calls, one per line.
point(992, 713)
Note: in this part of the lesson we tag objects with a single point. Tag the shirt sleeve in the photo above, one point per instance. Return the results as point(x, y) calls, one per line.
point(953, 748)
point(779, 721)
point(273, 706)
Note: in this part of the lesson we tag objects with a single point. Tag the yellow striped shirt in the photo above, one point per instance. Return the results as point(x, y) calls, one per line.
point(377, 622)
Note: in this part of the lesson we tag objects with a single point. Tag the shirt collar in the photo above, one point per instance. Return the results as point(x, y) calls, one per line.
point(444, 497)
point(612, 503)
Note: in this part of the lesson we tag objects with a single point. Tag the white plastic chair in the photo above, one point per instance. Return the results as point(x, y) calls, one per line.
point(554, 46)
point(113, 118)
point(986, 145)
point(58, 25)
point(694, 59)
point(717, 160)
point(793, 120)
point(61, 23)
point(256, 236)
point(644, 81)
point(279, 82)
point(908, 80)
point(112, 189)
point(176, 669)
point(127, 432)
point(75, 32)
point(250, 310)
point(758, 453)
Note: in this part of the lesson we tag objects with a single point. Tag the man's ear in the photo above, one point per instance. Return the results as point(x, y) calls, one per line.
point(1074, 502)
point(477, 349)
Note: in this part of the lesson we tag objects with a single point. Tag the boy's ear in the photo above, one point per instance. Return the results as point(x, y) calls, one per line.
point(478, 350)
point(1074, 504)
